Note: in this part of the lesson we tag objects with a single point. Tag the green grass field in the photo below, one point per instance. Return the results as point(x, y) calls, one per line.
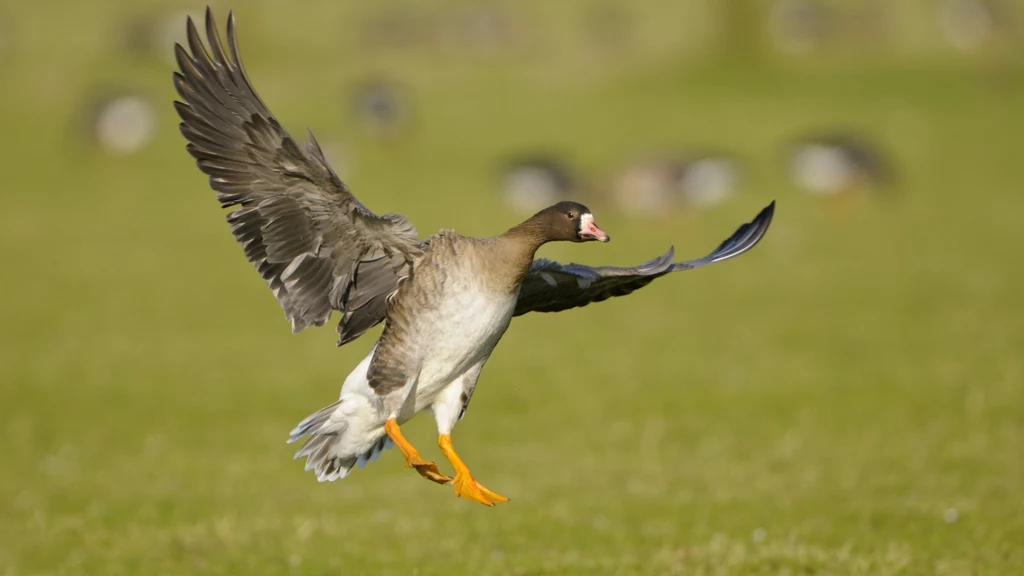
point(848, 398)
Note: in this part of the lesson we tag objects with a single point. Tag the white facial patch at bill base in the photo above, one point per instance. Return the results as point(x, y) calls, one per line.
point(588, 230)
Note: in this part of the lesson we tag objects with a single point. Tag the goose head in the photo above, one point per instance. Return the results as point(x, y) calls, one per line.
point(569, 222)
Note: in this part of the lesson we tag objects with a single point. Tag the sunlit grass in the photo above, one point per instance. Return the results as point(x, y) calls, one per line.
point(845, 399)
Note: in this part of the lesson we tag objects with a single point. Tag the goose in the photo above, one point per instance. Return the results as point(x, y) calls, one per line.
point(531, 182)
point(839, 163)
point(445, 301)
point(651, 186)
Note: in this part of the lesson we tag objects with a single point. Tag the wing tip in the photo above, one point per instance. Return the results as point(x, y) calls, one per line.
point(757, 228)
point(762, 221)
point(741, 241)
point(190, 27)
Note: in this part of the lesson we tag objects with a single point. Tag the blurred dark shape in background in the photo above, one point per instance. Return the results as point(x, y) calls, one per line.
point(656, 185)
point(382, 107)
point(475, 29)
point(710, 179)
point(122, 124)
point(973, 25)
point(803, 27)
point(798, 26)
point(535, 181)
point(397, 26)
point(647, 186)
point(478, 29)
point(834, 164)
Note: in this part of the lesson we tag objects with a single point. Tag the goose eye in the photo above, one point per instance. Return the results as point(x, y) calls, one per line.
point(571, 215)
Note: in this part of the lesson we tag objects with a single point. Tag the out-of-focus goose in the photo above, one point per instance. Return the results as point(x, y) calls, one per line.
point(124, 124)
point(653, 186)
point(710, 180)
point(836, 164)
point(798, 26)
point(446, 300)
point(381, 107)
point(532, 182)
point(971, 25)
point(648, 186)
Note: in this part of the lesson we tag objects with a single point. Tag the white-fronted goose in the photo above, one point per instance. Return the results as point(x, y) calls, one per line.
point(972, 25)
point(536, 181)
point(445, 301)
point(710, 179)
point(123, 124)
point(799, 26)
point(655, 185)
point(834, 164)
point(381, 106)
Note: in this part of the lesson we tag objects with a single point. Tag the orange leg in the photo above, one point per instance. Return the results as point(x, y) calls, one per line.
point(412, 457)
point(464, 484)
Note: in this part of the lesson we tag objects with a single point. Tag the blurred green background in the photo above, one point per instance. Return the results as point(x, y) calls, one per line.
point(844, 399)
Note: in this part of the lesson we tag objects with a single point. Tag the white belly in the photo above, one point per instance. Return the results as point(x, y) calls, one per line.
point(471, 327)
point(460, 335)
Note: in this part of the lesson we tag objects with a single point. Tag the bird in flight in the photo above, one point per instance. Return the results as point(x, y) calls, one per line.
point(445, 301)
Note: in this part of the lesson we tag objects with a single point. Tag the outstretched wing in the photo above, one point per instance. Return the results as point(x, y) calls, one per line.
point(316, 246)
point(551, 287)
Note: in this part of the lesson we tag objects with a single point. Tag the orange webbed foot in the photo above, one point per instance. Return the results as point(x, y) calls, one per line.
point(428, 470)
point(464, 484)
point(467, 487)
point(412, 457)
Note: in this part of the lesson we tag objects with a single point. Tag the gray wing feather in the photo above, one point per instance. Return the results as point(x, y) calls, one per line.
point(316, 246)
point(551, 287)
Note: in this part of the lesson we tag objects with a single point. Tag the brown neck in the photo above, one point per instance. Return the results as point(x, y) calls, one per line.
point(520, 243)
point(530, 234)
